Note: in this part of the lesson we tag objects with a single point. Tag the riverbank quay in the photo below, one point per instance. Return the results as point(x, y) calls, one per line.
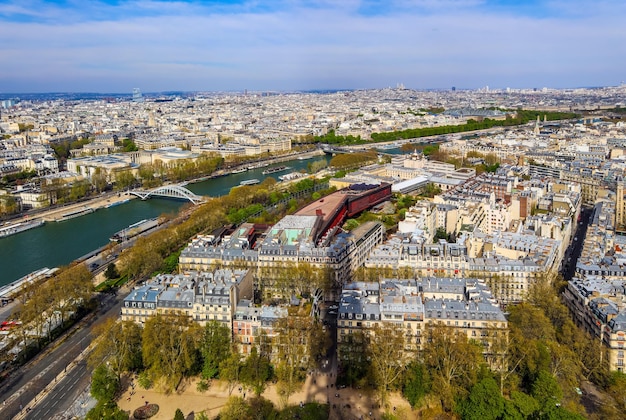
point(262, 163)
point(56, 213)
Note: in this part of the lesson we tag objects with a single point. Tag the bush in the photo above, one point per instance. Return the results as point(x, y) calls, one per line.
point(144, 380)
point(202, 386)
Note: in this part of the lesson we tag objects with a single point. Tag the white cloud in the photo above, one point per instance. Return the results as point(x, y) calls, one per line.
point(306, 44)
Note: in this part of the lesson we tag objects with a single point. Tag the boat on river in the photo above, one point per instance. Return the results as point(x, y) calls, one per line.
point(253, 181)
point(75, 213)
point(275, 169)
point(134, 230)
point(12, 229)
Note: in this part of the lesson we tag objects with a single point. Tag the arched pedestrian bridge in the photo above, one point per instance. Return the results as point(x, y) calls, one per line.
point(169, 191)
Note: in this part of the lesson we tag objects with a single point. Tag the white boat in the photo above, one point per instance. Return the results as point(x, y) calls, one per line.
point(134, 230)
point(19, 227)
point(249, 182)
point(275, 169)
point(77, 213)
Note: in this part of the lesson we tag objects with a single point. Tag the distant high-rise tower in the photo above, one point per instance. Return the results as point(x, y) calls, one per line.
point(137, 96)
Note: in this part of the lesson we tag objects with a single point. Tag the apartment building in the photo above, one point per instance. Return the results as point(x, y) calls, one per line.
point(415, 306)
point(254, 326)
point(202, 296)
point(596, 296)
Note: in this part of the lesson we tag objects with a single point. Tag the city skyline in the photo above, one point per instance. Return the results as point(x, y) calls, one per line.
point(232, 45)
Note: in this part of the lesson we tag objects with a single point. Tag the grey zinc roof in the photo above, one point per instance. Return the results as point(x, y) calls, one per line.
point(146, 293)
point(618, 323)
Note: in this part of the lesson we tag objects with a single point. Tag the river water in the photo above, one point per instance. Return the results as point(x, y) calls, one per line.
point(59, 243)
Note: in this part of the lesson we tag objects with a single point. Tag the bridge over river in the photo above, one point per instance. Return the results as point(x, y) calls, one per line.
point(170, 191)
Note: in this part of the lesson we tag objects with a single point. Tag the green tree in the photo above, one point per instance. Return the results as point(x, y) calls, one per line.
point(215, 348)
point(35, 312)
point(547, 392)
point(530, 330)
point(431, 190)
point(255, 371)
point(143, 258)
point(236, 408)
point(8, 205)
point(388, 358)
point(300, 279)
point(55, 189)
point(453, 362)
point(351, 224)
point(291, 342)
point(201, 416)
point(118, 345)
point(106, 410)
point(70, 289)
point(352, 354)
point(79, 189)
point(230, 369)
point(111, 272)
point(440, 234)
point(617, 389)
point(520, 406)
point(263, 409)
point(348, 161)
point(129, 146)
point(104, 384)
point(416, 383)
point(484, 402)
point(124, 180)
point(99, 180)
point(170, 348)
point(316, 166)
point(179, 415)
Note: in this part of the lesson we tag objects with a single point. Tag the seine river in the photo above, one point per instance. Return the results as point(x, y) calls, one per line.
point(58, 243)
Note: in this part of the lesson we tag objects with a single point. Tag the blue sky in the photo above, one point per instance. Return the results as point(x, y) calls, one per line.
point(116, 45)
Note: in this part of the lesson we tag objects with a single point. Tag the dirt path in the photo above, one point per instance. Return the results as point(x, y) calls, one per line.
point(346, 403)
